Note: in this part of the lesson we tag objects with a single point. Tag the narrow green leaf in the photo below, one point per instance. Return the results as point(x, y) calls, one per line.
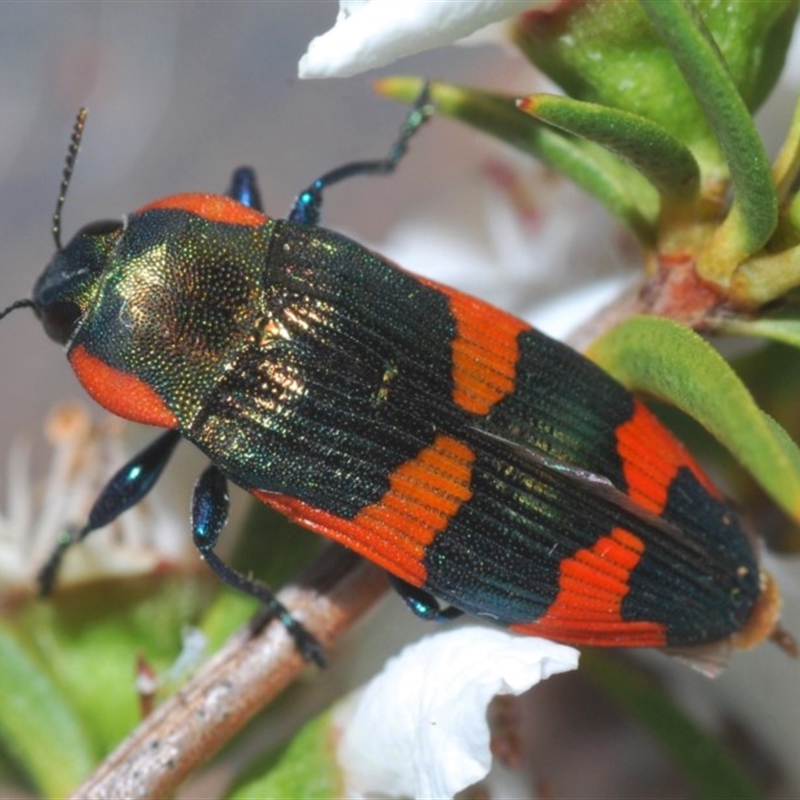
point(662, 158)
point(780, 326)
point(37, 724)
point(754, 214)
point(713, 772)
point(90, 636)
point(766, 277)
point(754, 39)
point(615, 184)
point(787, 165)
point(792, 212)
point(772, 373)
point(306, 768)
point(673, 363)
point(609, 53)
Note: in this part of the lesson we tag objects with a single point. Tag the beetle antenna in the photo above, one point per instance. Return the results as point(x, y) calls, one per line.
point(69, 166)
point(18, 304)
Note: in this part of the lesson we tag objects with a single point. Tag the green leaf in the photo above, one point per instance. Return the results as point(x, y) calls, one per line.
point(766, 277)
point(618, 186)
point(673, 363)
point(227, 611)
point(713, 772)
point(754, 214)
point(780, 326)
point(609, 53)
point(772, 374)
point(91, 636)
point(645, 145)
point(37, 724)
point(306, 768)
point(792, 212)
point(787, 164)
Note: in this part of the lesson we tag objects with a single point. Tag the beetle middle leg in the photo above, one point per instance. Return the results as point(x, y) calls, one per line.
point(210, 506)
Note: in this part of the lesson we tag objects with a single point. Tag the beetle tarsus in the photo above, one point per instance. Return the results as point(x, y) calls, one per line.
point(307, 645)
point(46, 577)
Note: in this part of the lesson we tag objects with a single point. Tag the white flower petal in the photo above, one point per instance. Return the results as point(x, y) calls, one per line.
point(419, 729)
point(145, 538)
point(374, 33)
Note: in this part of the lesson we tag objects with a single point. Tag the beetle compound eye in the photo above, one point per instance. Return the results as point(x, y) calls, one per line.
point(60, 319)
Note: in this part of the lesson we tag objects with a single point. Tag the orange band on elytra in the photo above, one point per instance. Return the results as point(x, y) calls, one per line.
point(592, 585)
point(424, 494)
point(485, 351)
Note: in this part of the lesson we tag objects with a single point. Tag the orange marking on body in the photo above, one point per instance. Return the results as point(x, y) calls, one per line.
point(651, 459)
point(592, 585)
point(119, 392)
point(424, 494)
point(213, 207)
point(609, 634)
point(485, 351)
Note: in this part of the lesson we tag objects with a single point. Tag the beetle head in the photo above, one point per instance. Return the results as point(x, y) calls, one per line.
point(64, 290)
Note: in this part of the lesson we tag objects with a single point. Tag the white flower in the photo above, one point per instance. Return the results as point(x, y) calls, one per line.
point(373, 33)
point(419, 729)
point(84, 455)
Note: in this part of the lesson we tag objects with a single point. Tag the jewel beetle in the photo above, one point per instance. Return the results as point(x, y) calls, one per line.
point(486, 467)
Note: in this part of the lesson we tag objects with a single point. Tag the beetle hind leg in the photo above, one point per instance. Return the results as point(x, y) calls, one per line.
point(422, 603)
point(209, 514)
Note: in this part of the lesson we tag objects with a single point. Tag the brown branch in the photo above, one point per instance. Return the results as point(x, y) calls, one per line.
point(237, 683)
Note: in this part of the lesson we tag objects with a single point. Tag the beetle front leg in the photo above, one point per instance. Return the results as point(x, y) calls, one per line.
point(210, 506)
point(128, 486)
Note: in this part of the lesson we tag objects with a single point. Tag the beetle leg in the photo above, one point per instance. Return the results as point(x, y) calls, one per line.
point(308, 205)
point(422, 603)
point(244, 188)
point(128, 486)
point(209, 514)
